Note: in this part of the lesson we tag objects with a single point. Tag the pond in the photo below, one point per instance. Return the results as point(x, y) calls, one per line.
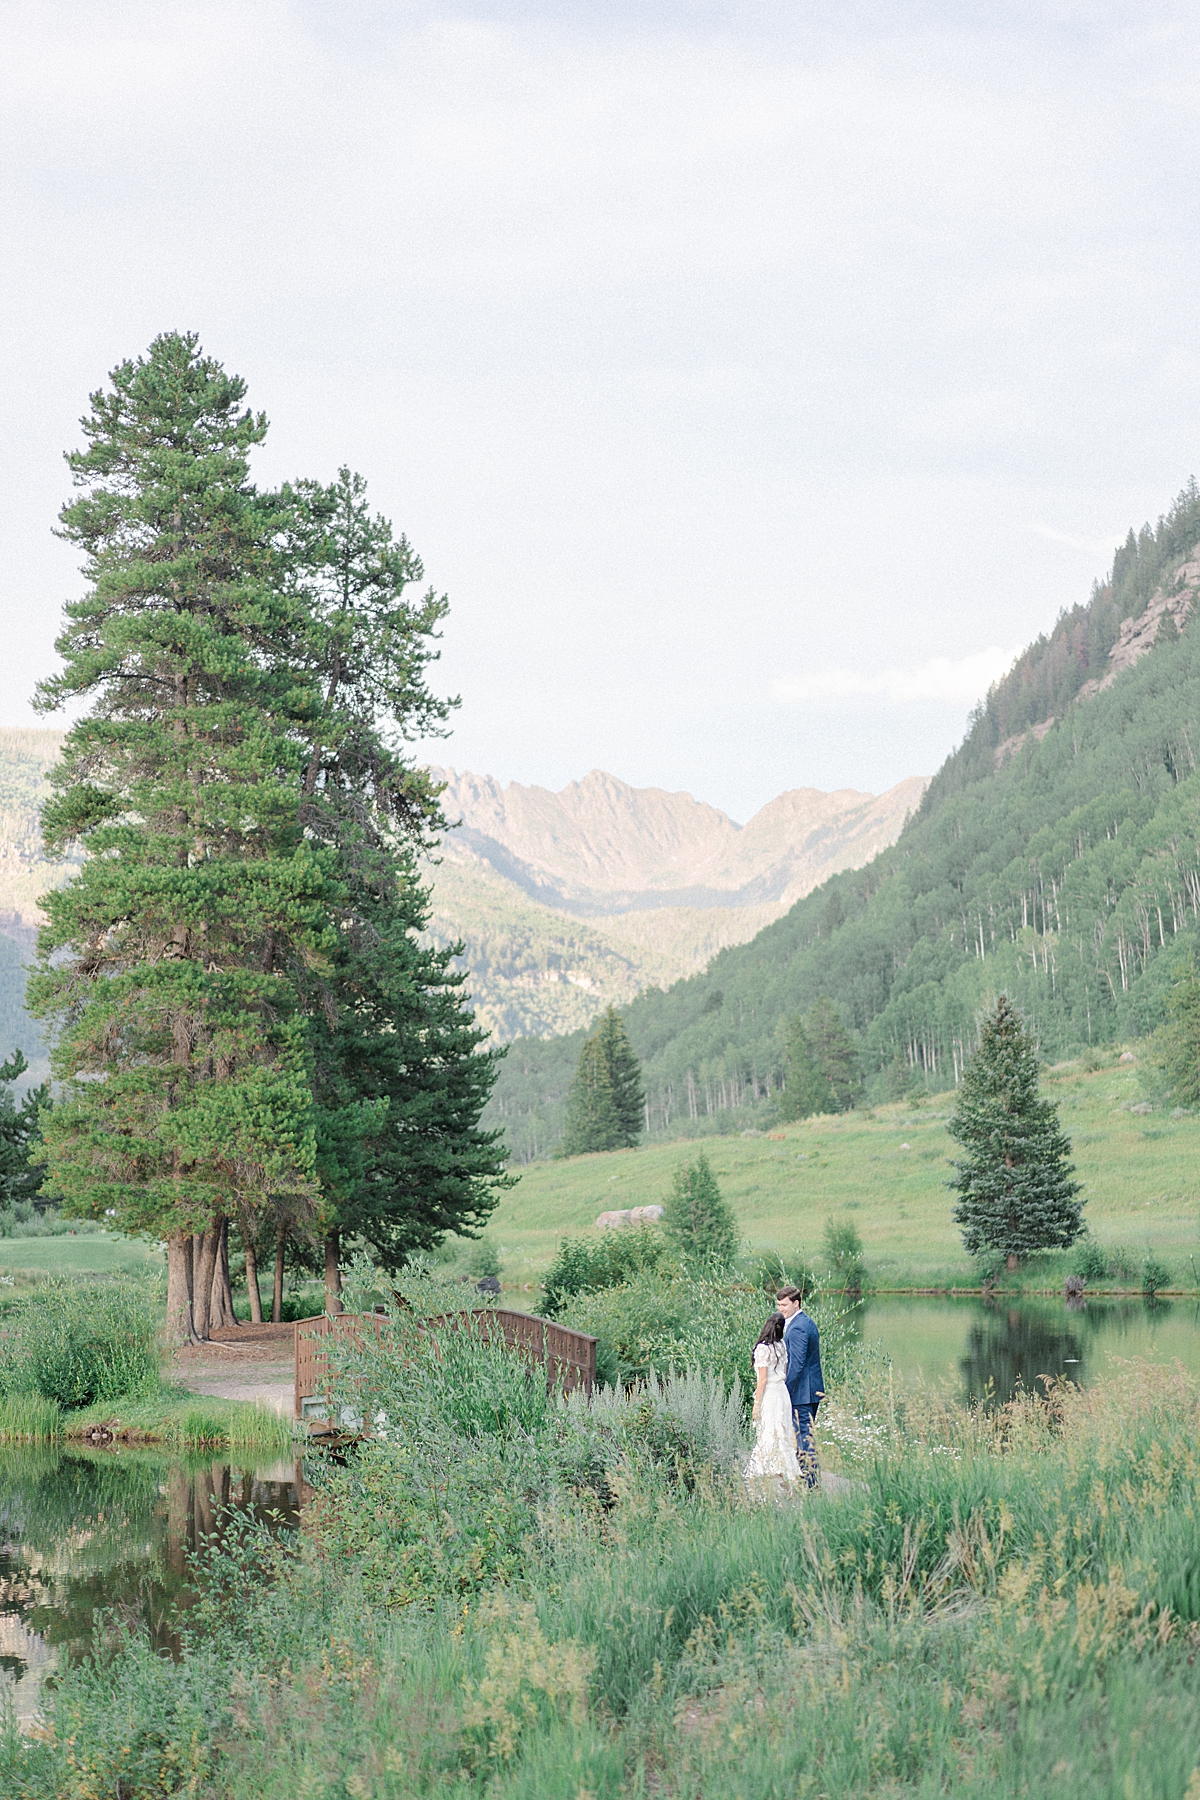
point(982, 1348)
point(83, 1529)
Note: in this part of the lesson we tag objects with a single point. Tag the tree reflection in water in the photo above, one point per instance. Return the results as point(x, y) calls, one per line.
point(82, 1530)
point(1011, 1346)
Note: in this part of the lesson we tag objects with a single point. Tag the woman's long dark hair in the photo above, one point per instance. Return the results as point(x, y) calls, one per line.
point(772, 1331)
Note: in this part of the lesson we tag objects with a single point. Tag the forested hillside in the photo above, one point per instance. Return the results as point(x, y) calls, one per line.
point(1056, 856)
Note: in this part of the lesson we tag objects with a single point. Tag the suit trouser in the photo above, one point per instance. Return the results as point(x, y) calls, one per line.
point(803, 1417)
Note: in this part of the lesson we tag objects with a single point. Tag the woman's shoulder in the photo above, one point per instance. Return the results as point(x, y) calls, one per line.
point(766, 1354)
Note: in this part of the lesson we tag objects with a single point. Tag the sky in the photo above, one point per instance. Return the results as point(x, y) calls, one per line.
point(755, 378)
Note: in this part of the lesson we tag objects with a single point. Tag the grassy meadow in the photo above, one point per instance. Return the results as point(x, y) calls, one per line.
point(885, 1169)
point(91, 1253)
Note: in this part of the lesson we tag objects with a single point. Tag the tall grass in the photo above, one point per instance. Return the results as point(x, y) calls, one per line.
point(28, 1419)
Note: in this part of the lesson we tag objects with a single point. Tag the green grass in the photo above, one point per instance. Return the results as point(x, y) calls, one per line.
point(179, 1419)
point(1141, 1176)
point(29, 1419)
point(97, 1253)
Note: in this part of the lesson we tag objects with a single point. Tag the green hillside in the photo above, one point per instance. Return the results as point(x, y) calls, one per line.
point(1056, 856)
point(886, 1169)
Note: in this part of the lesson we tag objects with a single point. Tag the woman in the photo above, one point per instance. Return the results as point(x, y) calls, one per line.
point(775, 1447)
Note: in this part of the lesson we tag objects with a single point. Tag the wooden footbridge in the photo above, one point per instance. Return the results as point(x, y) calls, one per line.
point(568, 1357)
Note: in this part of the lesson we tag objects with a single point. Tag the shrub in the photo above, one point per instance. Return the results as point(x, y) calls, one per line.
point(844, 1248)
point(660, 1322)
point(79, 1342)
point(587, 1265)
point(1155, 1274)
point(1090, 1261)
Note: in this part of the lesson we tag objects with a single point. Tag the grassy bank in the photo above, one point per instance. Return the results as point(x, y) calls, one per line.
point(177, 1419)
point(519, 1598)
point(90, 1253)
point(885, 1171)
point(174, 1418)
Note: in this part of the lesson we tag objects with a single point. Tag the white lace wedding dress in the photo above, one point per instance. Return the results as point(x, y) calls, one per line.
point(774, 1456)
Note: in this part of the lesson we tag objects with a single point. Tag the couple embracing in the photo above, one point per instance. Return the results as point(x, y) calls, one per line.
point(787, 1362)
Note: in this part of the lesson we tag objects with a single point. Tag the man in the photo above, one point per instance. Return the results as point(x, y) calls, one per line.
point(805, 1382)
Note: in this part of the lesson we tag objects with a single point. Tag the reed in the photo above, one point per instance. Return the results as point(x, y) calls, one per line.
point(29, 1419)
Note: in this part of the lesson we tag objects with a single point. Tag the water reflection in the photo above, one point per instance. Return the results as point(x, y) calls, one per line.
point(986, 1349)
point(85, 1529)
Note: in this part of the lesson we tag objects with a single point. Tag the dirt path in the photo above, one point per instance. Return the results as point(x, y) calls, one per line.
point(251, 1362)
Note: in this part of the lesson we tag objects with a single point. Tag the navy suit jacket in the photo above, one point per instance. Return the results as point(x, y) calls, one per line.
point(805, 1382)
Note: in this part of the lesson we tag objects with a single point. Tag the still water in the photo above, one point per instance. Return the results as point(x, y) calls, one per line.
point(84, 1529)
point(980, 1349)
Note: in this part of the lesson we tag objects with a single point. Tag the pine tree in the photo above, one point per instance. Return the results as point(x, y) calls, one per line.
point(20, 1174)
point(806, 1087)
point(625, 1076)
point(833, 1052)
point(593, 1122)
point(1014, 1182)
point(168, 962)
point(605, 1099)
point(400, 1080)
point(696, 1217)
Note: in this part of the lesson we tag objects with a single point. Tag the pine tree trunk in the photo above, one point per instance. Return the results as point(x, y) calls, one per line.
point(333, 1274)
point(179, 1282)
point(221, 1313)
point(209, 1243)
point(277, 1288)
point(256, 1316)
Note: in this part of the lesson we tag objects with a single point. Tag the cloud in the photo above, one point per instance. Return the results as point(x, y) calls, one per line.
point(945, 678)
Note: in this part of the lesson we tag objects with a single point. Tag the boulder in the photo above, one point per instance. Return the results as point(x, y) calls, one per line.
point(630, 1215)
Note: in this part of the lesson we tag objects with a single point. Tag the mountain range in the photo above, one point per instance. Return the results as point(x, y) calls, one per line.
point(566, 901)
point(563, 902)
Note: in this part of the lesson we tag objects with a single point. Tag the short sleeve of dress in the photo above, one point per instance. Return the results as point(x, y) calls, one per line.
point(762, 1356)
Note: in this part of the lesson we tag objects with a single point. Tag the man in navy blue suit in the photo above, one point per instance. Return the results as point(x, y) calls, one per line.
point(805, 1382)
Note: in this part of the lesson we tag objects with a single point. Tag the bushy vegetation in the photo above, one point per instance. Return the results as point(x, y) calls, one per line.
point(532, 1598)
point(76, 1342)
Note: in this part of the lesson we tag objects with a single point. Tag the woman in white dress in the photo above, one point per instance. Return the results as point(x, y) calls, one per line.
point(774, 1457)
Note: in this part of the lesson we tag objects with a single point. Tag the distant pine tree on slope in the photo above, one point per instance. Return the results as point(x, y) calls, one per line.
point(1014, 1182)
point(604, 1106)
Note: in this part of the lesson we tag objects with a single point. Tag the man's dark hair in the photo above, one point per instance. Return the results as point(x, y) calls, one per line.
point(790, 1293)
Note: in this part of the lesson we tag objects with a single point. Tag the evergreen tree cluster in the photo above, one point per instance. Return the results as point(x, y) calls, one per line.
point(249, 1031)
point(604, 1106)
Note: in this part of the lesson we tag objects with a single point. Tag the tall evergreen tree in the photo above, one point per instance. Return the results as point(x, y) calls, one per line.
point(593, 1122)
point(1014, 1181)
point(833, 1052)
point(399, 1077)
point(695, 1215)
point(168, 964)
point(605, 1100)
point(625, 1076)
point(807, 1088)
point(247, 1026)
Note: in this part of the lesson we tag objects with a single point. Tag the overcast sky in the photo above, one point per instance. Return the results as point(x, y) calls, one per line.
point(756, 378)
